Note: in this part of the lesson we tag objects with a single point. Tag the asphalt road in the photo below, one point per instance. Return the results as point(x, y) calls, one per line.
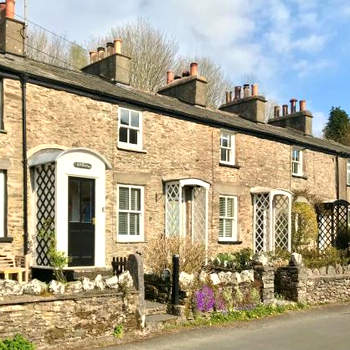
point(324, 328)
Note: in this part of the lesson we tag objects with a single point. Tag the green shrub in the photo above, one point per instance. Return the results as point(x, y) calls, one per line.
point(239, 261)
point(16, 343)
point(304, 226)
point(118, 331)
point(330, 256)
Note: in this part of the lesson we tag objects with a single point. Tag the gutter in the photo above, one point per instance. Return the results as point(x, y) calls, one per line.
point(23, 79)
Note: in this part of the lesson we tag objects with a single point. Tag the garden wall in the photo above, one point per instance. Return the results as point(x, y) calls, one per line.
point(57, 321)
point(320, 285)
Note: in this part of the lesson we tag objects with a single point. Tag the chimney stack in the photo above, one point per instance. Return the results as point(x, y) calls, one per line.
point(246, 90)
point(302, 105)
point(93, 56)
point(189, 88)
point(251, 106)
point(284, 110)
point(169, 76)
point(228, 96)
point(254, 89)
point(118, 46)
point(110, 64)
point(12, 31)
point(110, 49)
point(293, 105)
point(194, 69)
point(276, 111)
point(238, 92)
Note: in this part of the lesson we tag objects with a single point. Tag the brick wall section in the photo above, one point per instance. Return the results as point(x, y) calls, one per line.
point(174, 149)
point(59, 322)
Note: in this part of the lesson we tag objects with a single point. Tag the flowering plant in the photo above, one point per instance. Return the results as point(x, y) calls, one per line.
point(205, 299)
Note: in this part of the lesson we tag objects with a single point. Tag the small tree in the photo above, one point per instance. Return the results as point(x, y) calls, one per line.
point(338, 126)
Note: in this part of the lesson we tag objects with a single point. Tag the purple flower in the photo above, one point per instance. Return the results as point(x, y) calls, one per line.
point(205, 299)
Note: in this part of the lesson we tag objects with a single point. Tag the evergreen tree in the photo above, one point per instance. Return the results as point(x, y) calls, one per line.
point(338, 126)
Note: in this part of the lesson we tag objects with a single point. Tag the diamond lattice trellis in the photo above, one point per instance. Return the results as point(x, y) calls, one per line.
point(332, 220)
point(199, 214)
point(261, 204)
point(45, 210)
point(281, 221)
point(173, 208)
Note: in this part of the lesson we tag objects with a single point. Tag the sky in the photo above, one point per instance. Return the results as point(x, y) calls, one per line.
point(292, 48)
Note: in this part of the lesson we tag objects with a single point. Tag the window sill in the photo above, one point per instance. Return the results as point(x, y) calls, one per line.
point(230, 242)
point(6, 239)
point(125, 148)
point(234, 166)
point(3, 131)
point(130, 242)
point(300, 176)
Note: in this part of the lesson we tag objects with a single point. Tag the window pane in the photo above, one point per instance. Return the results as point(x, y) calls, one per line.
point(295, 168)
point(123, 198)
point(223, 155)
point(228, 228)
point(123, 224)
point(135, 119)
point(134, 224)
point(221, 228)
point(124, 119)
point(222, 206)
point(123, 135)
point(135, 199)
point(74, 201)
point(296, 155)
point(133, 136)
point(230, 207)
point(224, 141)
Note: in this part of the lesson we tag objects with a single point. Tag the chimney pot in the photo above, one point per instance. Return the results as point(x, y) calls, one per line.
point(93, 56)
point(118, 46)
point(194, 68)
point(277, 111)
point(10, 9)
point(228, 96)
point(254, 89)
point(284, 110)
point(169, 77)
point(246, 90)
point(302, 105)
point(110, 49)
point(238, 92)
point(293, 105)
point(101, 53)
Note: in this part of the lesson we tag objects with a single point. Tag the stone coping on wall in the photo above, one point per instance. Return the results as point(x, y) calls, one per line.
point(28, 299)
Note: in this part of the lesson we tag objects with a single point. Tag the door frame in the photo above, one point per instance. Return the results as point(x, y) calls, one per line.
point(66, 168)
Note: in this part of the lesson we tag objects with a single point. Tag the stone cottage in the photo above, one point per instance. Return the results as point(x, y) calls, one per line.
point(107, 168)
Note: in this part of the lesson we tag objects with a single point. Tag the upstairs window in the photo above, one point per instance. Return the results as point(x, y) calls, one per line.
point(227, 148)
point(130, 213)
point(2, 204)
point(348, 173)
point(228, 218)
point(130, 129)
point(297, 162)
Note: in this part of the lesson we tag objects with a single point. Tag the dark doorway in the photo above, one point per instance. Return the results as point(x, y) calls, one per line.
point(81, 221)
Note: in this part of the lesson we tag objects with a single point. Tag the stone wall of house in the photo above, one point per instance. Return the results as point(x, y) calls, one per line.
point(323, 285)
point(56, 322)
point(173, 148)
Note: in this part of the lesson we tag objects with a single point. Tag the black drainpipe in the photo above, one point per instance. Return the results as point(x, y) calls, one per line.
point(337, 175)
point(25, 163)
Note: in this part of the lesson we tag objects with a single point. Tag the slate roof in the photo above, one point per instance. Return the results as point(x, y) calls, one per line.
point(43, 73)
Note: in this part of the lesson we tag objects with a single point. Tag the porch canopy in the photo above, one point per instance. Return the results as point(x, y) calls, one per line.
point(272, 219)
point(69, 197)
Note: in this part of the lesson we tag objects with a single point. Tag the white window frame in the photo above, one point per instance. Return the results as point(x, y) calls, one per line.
point(348, 172)
point(3, 193)
point(234, 236)
point(232, 149)
point(127, 145)
point(128, 237)
point(298, 162)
